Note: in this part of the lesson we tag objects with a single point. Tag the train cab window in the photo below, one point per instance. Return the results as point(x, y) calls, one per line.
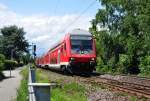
point(81, 45)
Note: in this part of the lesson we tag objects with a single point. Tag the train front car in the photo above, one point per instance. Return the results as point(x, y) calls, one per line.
point(82, 57)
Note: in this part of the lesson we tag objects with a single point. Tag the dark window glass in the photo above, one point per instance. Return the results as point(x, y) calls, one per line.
point(81, 46)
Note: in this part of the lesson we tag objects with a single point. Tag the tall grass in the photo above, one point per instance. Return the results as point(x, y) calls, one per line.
point(69, 92)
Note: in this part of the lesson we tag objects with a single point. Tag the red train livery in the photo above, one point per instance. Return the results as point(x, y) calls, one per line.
point(75, 53)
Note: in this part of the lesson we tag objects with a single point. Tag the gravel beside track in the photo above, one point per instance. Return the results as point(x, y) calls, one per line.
point(104, 95)
point(130, 79)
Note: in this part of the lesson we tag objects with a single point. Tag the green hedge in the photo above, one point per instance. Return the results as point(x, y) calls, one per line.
point(123, 64)
point(101, 67)
point(111, 67)
point(145, 65)
point(10, 64)
point(2, 59)
point(20, 64)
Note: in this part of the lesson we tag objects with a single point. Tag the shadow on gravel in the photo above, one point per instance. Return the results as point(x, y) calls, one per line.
point(88, 74)
point(95, 73)
point(58, 71)
point(74, 74)
point(2, 76)
point(9, 77)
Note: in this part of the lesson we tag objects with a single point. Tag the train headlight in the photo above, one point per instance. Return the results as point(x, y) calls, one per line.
point(92, 59)
point(72, 59)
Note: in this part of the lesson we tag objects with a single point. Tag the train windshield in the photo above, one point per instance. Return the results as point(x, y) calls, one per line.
point(81, 45)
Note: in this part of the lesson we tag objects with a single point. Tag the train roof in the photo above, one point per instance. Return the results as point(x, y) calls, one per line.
point(73, 32)
point(80, 32)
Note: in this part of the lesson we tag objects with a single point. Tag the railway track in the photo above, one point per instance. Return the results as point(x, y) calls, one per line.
point(135, 88)
point(132, 88)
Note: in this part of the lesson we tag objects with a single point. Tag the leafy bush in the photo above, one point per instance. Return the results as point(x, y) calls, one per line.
point(20, 64)
point(111, 64)
point(105, 69)
point(2, 59)
point(101, 67)
point(123, 64)
point(145, 65)
point(10, 64)
point(100, 62)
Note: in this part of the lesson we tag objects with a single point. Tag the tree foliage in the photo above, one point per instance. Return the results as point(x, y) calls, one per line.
point(122, 27)
point(145, 65)
point(25, 58)
point(13, 42)
point(2, 59)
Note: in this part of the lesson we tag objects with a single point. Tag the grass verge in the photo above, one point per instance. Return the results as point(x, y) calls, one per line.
point(68, 92)
point(22, 92)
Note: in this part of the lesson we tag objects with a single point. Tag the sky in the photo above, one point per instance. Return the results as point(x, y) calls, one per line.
point(46, 21)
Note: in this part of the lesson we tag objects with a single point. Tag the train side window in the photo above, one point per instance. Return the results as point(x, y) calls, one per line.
point(61, 49)
point(64, 46)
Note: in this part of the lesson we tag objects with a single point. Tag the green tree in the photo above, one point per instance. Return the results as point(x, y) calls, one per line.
point(2, 59)
point(13, 41)
point(25, 57)
point(145, 65)
point(127, 23)
point(1, 44)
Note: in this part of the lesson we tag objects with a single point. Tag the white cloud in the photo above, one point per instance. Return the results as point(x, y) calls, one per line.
point(3, 7)
point(42, 29)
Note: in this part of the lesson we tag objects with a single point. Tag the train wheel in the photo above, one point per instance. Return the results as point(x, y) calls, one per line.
point(64, 70)
point(69, 69)
point(46, 66)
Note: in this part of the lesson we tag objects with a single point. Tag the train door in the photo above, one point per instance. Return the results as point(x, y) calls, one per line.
point(58, 58)
point(49, 58)
point(63, 53)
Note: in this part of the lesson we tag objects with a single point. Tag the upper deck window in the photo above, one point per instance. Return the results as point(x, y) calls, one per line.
point(75, 37)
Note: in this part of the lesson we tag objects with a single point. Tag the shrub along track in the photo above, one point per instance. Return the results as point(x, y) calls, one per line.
point(129, 87)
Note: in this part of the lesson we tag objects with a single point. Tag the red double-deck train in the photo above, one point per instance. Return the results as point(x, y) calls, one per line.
point(75, 53)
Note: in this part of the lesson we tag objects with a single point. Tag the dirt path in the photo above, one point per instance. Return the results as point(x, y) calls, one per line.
point(8, 86)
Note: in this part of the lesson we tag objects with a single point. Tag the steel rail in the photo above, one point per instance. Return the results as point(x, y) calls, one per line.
point(132, 76)
point(128, 87)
